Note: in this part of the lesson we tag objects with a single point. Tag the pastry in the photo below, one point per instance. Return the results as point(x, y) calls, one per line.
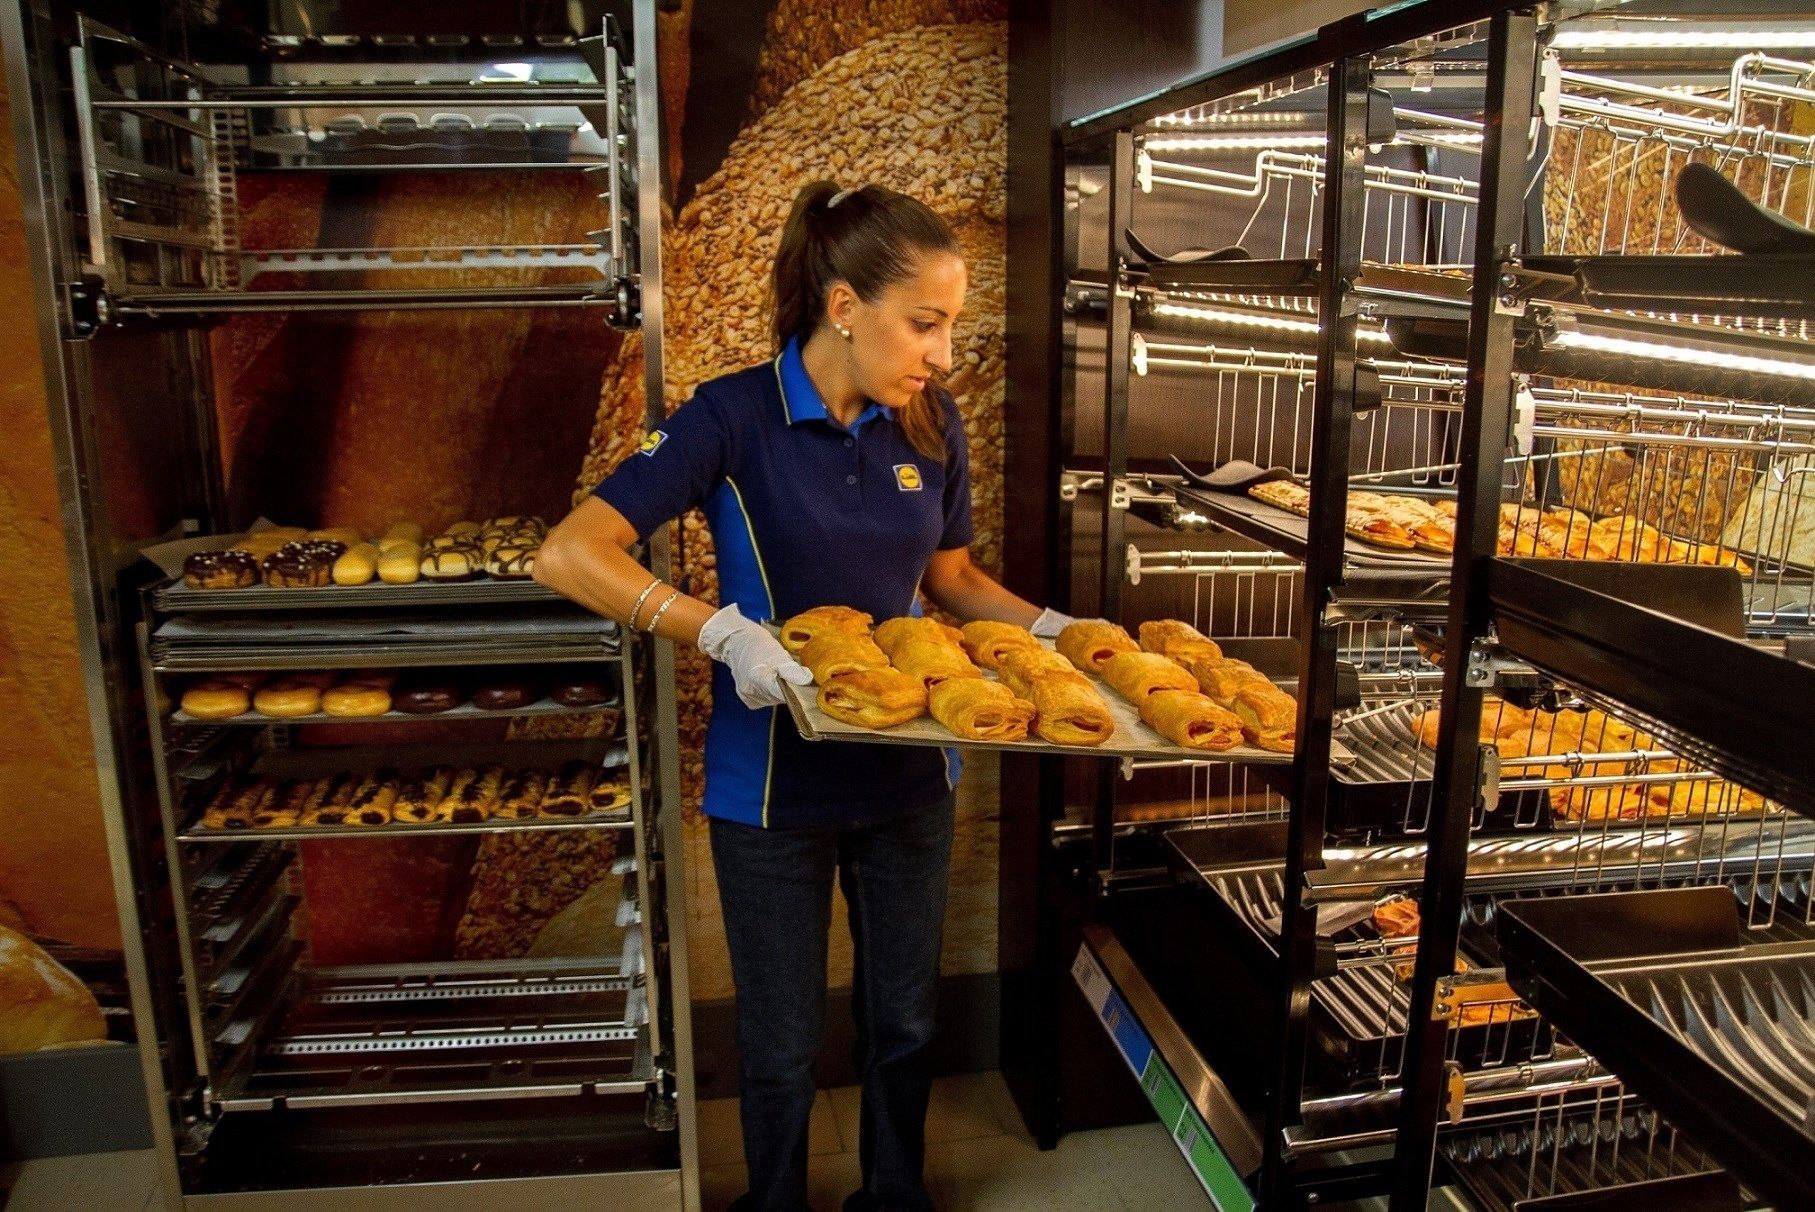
point(426, 698)
point(504, 696)
point(333, 807)
point(452, 563)
point(1068, 710)
point(1176, 639)
point(988, 642)
point(215, 812)
point(800, 630)
point(1020, 668)
point(459, 530)
point(400, 564)
point(1378, 529)
point(1191, 720)
point(1088, 644)
point(250, 800)
point(569, 791)
point(288, 698)
point(357, 565)
point(1396, 917)
point(42, 1003)
point(831, 653)
point(933, 661)
point(1268, 714)
point(520, 799)
point(1135, 675)
point(301, 565)
point(891, 633)
point(581, 693)
point(974, 709)
point(221, 570)
point(346, 536)
point(472, 796)
point(216, 700)
point(1221, 677)
point(401, 532)
point(355, 699)
point(419, 795)
point(286, 807)
point(371, 804)
point(609, 794)
point(875, 698)
point(512, 560)
point(1284, 494)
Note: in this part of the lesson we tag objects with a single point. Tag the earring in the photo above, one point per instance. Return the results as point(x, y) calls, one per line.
point(842, 331)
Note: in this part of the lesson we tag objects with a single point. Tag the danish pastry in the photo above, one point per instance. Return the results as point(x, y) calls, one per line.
point(800, 630)
point(472, 797)
point(520, 799)
point(1268, 714)
point(1020, 668)
point(1221, 677)
point(609, 795)
point(1068, 710)
point(831, 653)
point(570, 790)
point(875, 698)
point(1176, 639)
point(933, 661)
point(892, 633)
point(978, 710)
point(1191, 720)
point(1089, 643)
point(1135, 675)
point(420, 796)
point(371, 804)
point(988, 641)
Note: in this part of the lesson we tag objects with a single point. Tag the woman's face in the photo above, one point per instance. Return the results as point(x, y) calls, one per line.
point(905, 337)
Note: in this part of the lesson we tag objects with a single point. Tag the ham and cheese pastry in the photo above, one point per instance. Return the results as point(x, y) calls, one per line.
point(988, 641)
point(831, 653)
point(1068, 710)
point(800, 630)
point(1020, 668)
point(973, 709)
point(1191, 720)
point(1221, 677)
point(933, 661)
point(1269, 716)
point(1088, 644)
point(893, 633)
point(875, 698)
point(1176, 639)
point(1135, 675)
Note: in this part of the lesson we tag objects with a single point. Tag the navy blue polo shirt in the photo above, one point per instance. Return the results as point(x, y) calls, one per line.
point(803, 513)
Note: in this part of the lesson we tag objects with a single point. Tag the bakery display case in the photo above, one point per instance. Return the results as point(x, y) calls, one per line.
point(1456, 353)
point(392, 825)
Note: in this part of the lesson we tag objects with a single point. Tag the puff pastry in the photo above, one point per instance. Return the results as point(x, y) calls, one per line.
point(1068, 710)
point(988, 641)
point(977, 710)
point(1176, 639)
point(799, 631)
point(1135, 675)
point(1221, 677)
point(1190, 719)
point(1020, 668)
point(831, 653)
point(1269, 716)
point(892, 633)
point(1088, 644)
point(875, 698)
point(933, 661)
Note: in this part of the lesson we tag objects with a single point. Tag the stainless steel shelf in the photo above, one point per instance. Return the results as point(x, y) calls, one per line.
point(466, 711)
point(174, 597)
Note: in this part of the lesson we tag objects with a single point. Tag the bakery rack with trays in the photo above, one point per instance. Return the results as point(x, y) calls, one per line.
point(1549, 384)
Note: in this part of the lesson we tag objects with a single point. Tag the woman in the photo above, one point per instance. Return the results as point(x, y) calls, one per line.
point(836, 474)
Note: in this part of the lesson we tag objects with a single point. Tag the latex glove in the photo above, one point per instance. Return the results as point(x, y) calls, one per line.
point(1051, 623)
point(758, 662)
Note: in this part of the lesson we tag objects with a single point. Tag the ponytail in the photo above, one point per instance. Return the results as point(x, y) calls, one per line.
point(868, 238)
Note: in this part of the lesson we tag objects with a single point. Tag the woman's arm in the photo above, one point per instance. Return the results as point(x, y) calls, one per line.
point(958, 587)
point(585, 558)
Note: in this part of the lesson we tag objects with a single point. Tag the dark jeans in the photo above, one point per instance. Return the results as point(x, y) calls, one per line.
point(776, 889)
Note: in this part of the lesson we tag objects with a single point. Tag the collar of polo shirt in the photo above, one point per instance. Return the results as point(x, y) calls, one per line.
point(801, 401)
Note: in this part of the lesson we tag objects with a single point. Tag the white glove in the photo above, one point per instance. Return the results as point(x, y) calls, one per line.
point(1051, 623)
point(758, 662)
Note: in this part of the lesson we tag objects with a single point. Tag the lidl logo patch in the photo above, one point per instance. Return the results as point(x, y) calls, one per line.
point(656, 438)
point(907, 477)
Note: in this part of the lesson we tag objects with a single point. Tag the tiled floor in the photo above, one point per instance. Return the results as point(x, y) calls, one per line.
point(978, 1158)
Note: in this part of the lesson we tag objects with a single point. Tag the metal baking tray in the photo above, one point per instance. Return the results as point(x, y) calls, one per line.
point(1288, 532)
point(539, 635)
point(466, 711)
point(1716, 1031)
point(174, 597)
point(1131, 739)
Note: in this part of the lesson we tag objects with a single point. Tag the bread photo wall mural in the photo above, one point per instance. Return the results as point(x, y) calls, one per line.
point(911, 95)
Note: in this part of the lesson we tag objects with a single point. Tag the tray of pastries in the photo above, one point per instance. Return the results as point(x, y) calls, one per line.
point(289, 566)
point(310, 697)
point(988, 685)
point(434, 799)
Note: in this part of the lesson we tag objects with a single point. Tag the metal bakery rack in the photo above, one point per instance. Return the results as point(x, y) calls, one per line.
point(1435, 253)
point(277, 1077)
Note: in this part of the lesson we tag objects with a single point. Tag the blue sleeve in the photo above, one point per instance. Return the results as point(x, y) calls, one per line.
point(957, 479)
point(681, 462)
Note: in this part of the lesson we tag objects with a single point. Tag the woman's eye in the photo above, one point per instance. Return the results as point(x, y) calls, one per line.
point(923, 326)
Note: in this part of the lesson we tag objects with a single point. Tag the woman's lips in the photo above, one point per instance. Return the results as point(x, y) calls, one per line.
point(918, 384)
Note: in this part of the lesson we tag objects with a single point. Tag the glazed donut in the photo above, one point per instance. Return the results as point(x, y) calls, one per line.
point(356, 699)
point(214, 700)
point(287, 699)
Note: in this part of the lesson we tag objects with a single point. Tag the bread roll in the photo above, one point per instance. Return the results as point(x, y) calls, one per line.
point(1089, 643)
point(357, 565)
point(800, 630)
point(400, 564)
point(402, 532)
point(42, 1004)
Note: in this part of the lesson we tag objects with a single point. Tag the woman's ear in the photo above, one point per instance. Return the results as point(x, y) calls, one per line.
point(841, 304)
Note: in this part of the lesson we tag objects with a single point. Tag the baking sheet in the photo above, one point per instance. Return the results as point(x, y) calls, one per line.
point(1292, 533)
point(1131, 738)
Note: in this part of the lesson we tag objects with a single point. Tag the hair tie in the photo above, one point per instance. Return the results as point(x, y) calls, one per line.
point(838, 197)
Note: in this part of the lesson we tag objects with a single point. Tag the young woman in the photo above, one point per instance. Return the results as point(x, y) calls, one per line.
point(836, 474)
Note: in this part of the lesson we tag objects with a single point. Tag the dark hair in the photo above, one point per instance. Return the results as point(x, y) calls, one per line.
point(868, 238)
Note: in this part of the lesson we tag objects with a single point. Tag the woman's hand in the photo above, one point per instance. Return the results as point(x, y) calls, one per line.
point(957, 586)
point(758, 662)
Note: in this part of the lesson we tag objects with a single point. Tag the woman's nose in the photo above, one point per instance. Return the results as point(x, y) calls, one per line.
point(940, 358)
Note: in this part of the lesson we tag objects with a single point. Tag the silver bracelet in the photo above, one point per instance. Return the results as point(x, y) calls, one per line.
point(641, 598)
point(662, 610)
